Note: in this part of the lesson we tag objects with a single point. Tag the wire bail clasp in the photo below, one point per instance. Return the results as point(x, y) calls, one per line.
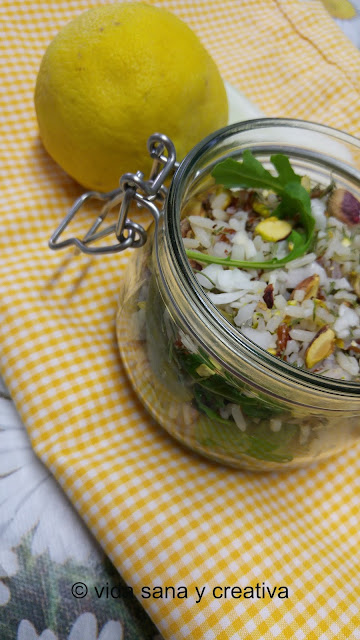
point(133, 187)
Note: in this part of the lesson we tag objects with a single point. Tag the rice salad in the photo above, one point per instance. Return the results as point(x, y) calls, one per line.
point(278, 256)
point(291, 284)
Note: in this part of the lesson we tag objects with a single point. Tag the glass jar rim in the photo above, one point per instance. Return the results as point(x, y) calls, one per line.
point(191, 286)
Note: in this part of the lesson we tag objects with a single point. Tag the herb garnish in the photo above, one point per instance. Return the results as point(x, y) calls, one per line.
point(295, 204)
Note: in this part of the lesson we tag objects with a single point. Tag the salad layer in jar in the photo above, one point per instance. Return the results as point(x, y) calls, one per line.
point(281, 260)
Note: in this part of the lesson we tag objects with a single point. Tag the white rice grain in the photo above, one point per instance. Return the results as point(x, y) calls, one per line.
point(204, 281)
point(298, 311)
point(280, 302)
point(299, 295)
point(244, 314)
point(238, 253)
point(191, 243)
point(234, 279)
point(241, 238)
point(200, 221)
point(220, 200)
point(346, 319)
point(202, 236)
point(237, 225)
point(318, 208)
point(219, 214)
point(295, 276)
point(291, 347)
point(301, 335)
point(238, 417)
point(273, 323)
point(275, 425)
point(345, 295)
point(220, 250)
point(341, 283)
point(301, 262)
point(324, 315)
point(263, 339)
point(224, 298)
point(348, 363)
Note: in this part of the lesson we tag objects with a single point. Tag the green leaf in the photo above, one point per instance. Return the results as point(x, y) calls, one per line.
point(300, 241)
point(215, 390)
point(251, 173)
point(285, 171)
point(248, 173)
point(295, 205)
point(252, 407)
point(198, 396)
point(213, 393)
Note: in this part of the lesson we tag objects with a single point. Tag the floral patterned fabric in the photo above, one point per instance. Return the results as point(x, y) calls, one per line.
point(45, 549)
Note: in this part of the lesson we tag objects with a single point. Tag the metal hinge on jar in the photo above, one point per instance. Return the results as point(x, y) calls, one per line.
point(149, 193)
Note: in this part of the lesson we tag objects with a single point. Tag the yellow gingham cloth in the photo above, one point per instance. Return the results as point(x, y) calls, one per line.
point(164, 516)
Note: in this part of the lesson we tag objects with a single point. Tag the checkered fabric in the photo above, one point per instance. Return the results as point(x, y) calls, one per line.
point(164, 516)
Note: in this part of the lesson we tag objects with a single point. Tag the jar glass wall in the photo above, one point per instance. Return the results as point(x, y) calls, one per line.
point(208, 385)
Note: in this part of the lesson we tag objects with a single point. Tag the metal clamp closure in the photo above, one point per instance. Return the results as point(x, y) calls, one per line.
point(133, 187)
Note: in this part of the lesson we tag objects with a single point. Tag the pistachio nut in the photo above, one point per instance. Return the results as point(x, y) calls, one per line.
point(321, 347)
point(355, 282)
point(273, 230)
point(309, 285)
point(344, 206)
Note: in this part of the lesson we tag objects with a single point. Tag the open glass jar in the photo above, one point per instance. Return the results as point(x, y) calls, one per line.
point(291, 417)
point(185, 360)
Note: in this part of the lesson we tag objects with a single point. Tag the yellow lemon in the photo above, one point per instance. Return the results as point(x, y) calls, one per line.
point(115, 75)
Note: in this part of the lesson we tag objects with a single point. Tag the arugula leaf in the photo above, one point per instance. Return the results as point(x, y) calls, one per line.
point(295, 197)
point(295, 204)
point(300, 243)
point(251, 173)
point(215, 390)
point(214, 393)
point(285, 171)
point(297, 251)
point(198, 396)
point(252, 407)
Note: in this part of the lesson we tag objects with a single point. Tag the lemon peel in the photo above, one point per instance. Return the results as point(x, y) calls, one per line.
point(113, 76)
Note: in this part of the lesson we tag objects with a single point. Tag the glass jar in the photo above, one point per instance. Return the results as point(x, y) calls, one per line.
point(290, 417)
